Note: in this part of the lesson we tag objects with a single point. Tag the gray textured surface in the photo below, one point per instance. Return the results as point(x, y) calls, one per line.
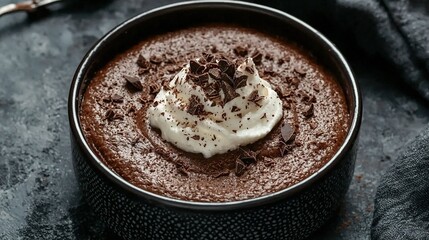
point(39, 198)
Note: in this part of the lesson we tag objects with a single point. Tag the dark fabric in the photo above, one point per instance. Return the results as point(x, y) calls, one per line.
point(402, 200)
point(397, 31)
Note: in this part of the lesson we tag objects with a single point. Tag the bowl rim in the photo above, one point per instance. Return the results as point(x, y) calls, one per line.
point(161, 200)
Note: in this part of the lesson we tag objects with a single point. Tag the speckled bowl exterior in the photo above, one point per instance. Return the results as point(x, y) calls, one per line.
point(293, 213)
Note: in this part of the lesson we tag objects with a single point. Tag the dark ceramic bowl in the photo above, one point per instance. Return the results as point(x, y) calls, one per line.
point(292, 213)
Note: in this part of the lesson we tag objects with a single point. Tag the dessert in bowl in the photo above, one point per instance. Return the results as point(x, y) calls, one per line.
point(205, 127)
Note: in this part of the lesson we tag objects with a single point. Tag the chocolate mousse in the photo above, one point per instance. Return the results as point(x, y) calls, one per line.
point(214, 113)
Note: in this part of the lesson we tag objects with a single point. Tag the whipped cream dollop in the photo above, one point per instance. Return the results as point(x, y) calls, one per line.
point(211, 107)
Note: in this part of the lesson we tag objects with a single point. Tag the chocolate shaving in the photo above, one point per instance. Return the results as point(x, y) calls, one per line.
point(195, 67)
point(143, 63)
point(240, 51)
point(254, 97)
point(221, 174)
point(283, 91)
point(308, 111)
point(215, 73)
point(240, 167)
point(223, 65)
point(249, 70)
point(248, 156)
point(257, 57)
point(117, 98)
point(154, 87)
point(110, 115)
point(226, 78)
point(228, 92)
point(208, 57)
point(280, 61)
point(284, 149)
point(156, 59)
point(195, 107)
point(287, 132)
point(240, 79)
point(134, 82)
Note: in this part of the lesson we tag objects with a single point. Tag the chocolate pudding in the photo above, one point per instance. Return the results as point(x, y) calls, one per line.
point(125, 114)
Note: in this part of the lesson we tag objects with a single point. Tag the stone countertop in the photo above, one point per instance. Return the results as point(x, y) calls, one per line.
point(39, 197)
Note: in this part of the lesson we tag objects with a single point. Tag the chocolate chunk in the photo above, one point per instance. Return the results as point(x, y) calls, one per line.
point(195, 107)
point(257, 57)
point(240, 79)
point(240, 167)
point(299, 70)
point(134, 82)
point(143, 63)
point(254, 97)
point(268, 57)
point(117, 98)
point(287, 132)
point(211, 65)
point(110, 115)
point(154, 87)
point(156, 59)
point(283, 91)
point(215, 73)
point(208, 57)
point(195, 67)
point(284, 149)
point(248, 156)
point(228, 92)
point(280, 61)
point(203, 79)
point(249, 70)
point(308, 111)
point(230, 71)
point(223, 65)
point(226, 78)
point(240, 51)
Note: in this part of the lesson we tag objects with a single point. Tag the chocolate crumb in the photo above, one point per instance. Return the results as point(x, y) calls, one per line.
point(240, 51)
point(308, 111)
point(287, 132)
point(117, 98)
point(235, 109)
point(240, 167)
point(196, 137)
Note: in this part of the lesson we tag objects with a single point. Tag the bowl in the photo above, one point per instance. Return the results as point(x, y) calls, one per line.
point(292, 213)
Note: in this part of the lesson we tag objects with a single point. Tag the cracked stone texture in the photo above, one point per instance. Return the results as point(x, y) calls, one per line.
point(39, 197)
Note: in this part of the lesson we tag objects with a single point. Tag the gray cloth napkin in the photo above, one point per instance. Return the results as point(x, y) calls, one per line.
point(397, 31)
